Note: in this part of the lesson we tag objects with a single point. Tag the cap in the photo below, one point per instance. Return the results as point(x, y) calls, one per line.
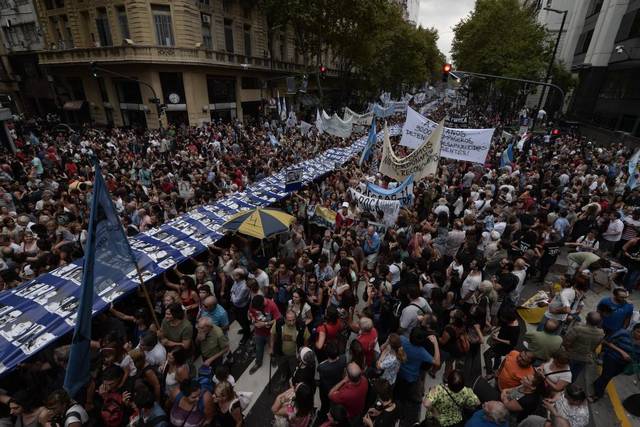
point(345, 204)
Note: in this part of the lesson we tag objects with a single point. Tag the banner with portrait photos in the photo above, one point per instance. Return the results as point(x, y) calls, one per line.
point(40, 311)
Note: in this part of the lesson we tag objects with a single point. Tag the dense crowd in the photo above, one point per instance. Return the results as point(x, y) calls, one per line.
point(361, 314)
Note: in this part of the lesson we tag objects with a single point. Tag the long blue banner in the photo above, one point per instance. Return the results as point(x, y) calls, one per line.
point(40, 311)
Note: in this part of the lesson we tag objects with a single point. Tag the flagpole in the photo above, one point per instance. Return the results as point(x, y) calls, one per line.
point(147, 297)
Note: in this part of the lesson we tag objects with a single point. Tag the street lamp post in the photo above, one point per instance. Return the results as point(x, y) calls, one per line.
point(551, 61)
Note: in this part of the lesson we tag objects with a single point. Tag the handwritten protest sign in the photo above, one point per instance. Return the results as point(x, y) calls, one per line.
point(460, 144)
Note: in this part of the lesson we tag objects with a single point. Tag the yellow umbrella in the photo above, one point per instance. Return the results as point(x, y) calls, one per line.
point(259, 223)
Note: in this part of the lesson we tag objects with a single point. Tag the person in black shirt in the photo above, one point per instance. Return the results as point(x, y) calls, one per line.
point(525, 399)
point(384, 412)
point(550, 251)
point(502, 342)
point(331, 372)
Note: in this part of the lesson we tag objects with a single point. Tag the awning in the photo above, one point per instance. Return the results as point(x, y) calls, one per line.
point(73, 105)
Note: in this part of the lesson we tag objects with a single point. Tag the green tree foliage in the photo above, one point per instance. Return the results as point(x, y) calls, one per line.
point(368, 40)
point(501, 37)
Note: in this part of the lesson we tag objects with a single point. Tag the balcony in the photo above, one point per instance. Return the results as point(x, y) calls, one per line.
point(165, 55)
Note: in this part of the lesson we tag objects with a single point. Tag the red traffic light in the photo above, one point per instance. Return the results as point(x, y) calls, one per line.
point(323, 69)
point(446, 68)
point(555, 132)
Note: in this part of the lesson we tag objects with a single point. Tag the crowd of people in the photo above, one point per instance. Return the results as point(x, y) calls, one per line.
point(361, 314)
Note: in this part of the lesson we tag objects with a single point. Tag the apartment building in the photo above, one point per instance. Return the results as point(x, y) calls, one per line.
point(203, 59)
point(607, 60)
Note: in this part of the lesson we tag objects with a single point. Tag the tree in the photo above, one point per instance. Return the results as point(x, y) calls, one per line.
point(501, 37)
point(367, 40)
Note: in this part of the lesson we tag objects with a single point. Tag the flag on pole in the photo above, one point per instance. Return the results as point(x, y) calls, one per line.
point(108, 258)
point(279, 105)
point(274, 141)
point(633, 170)
point(283, 114)
point(371, 142)
point(319, 122)
point(507, 156)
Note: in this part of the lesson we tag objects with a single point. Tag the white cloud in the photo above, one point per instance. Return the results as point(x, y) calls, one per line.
point(443, 15)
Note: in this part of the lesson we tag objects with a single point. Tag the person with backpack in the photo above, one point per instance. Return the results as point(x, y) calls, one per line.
point(412, 313)
point(288, 336)
point(454, 340)
point(113, 409)
point(192, 407)
point(62, 411)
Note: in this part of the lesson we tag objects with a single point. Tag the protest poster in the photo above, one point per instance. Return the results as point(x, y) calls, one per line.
point(423, 161)
point(459, 144)
point(402, 193)
point(304, 127)
point(457, 120)
point(383, 112)
point(373, 205)
point(293, 180)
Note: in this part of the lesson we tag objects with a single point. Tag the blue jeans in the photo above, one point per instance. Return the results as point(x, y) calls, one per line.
point(576, 368)
point(631, 278)
point(260, 342)
point(611, 368)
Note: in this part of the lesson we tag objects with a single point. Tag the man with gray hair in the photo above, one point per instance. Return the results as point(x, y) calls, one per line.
point(492, 414)
point(368, 338)
point(211, 342)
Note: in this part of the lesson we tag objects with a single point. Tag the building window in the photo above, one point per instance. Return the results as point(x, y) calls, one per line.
point(227, 5)
point(128, 91)
point(221, 89)
point(172, 85)
point(247, 40)
point(103, 89)
point(204, 2)
point(162, 21)
point(207, 40)
point(53, 4)
point(246, 12)
point(583, 42)
point(102, 26)
point(21, 35)
point(228, 35)
point(283, 47)
point(594, 7)
point(123, 22)
point(68, 35)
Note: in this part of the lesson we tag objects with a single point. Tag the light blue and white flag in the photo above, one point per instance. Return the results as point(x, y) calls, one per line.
point(371, 143)
point(108, 258)
point(632, 182)
point(507, 156)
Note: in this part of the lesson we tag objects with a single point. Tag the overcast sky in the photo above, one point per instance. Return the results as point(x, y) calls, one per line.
point(443, 15)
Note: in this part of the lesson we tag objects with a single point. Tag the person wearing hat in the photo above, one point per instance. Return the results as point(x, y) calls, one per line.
point(342, 217)
point(442, 207)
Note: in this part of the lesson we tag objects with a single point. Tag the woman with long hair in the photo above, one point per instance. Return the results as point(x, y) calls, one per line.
point(294, 407)
point(392, 355)
point(175, 370)
point(298, 304)
point(228, 410)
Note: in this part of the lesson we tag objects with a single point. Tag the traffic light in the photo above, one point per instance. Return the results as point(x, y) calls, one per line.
point(555, 132)
point(323, 70)
point(446, 69)
point(94, 69)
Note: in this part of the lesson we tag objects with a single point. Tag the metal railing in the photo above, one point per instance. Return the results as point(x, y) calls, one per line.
point(166, 54)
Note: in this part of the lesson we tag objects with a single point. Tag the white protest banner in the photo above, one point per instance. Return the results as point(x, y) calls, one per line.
point(398, 107)
point(383, 112)
point(423, 161)
point(403, 192)
point(390, 208)
point(459, 144)
point(336, 126)
point(358, 119)
point(319, 122)
point(457, 120)
point(419, 98)
point(304, 127)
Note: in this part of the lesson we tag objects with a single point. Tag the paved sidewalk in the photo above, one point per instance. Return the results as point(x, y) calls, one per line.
point(609, 410)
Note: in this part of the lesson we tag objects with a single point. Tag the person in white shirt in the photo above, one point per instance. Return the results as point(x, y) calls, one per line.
point(154, 352)
point(412, 314)
point(442, 207)
point(613, 233)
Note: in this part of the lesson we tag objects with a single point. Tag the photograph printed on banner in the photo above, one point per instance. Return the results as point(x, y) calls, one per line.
point(25, 334)
point(36, 292)
point(70, 272)
point(107, 289)
point(185, 248)
point(65, 307)
point(8, 315)
point(163, 236)
point(146, 275)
